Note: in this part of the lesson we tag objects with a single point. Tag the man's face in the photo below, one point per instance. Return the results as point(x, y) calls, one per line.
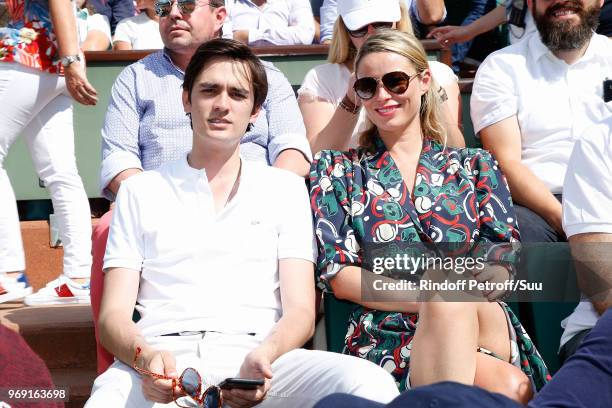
point(566, 25)
point(222, 100)
point(181, 31)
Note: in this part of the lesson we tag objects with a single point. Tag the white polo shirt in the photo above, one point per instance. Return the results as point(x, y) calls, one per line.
point(200, 270)
point(587, 204)
point(554, 102)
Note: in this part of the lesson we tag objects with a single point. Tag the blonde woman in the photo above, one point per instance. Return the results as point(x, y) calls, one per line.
point(403, 185)
point(330, 109)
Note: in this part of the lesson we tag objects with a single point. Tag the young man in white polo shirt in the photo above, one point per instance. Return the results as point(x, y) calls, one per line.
point(587, 221)
point(224, 281)
point(531, 100)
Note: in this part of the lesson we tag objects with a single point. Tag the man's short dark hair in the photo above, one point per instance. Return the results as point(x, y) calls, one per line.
point(222, 48)
point(216, 3)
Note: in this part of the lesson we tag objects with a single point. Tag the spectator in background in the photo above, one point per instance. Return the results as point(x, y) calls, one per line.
point(279, 22)
point(331, 113)
point(114, 10)
point(460, 51)
point(41, 71)
point(94, 29)
point(140, 32)
point(145, 125)
point(531, 100)
point(427, 12)
point(520, 25)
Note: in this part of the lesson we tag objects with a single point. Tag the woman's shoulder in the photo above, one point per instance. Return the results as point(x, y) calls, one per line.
point(442, 73)
point(330, 75)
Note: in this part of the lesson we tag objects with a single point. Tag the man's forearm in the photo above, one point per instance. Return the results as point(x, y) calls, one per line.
point(289, 333)
point(529, 191)
point(120, 337)
point(115, 183)
point(294, 161)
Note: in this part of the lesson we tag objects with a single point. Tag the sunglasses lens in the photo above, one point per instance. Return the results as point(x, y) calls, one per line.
point(162, 8)
point(382, 25)
point(365, 87)
point(187, 6)
point(396, 82)
point(212, 399)
point(191, 382)
point(358, 33)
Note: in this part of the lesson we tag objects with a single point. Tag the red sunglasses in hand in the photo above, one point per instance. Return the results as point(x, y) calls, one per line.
point(190, 382)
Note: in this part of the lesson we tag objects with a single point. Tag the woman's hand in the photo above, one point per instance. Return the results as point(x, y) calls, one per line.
point(78, 85)
point(350, 92)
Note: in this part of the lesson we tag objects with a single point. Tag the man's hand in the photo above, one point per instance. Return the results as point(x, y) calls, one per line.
point(78, 85)
point(256, 366)
point(159, 362)
point(449, 35)
point(242, 36)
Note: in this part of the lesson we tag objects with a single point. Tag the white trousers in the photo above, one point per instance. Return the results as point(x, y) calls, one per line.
point(300, 378)
point(37, 105)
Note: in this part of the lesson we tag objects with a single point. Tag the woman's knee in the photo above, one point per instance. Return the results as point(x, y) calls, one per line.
point(504, 378)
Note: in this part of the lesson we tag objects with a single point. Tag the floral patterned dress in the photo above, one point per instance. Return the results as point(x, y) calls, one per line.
point(359, 198)
point(29, 38)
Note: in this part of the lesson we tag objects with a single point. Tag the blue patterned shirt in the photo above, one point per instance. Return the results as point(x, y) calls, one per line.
point(145, 124)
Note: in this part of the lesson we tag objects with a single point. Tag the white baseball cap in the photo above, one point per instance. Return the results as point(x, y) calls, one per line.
point(358, 13)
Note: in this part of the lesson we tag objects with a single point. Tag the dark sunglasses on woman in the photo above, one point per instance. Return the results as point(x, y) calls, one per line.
point(190, 382)
point(360, 32)
point(164, 7)
point(396, 82)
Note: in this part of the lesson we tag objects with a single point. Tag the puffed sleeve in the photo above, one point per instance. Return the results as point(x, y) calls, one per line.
point(330, 187)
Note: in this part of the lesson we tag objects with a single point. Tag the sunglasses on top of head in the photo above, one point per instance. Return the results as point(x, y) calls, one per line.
point(190, 383)
point(396, 82)
point(164, 7)
point(360, 32)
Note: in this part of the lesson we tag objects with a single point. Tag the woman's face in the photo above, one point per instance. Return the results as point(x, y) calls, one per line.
point(393, 113)
point(371, 29)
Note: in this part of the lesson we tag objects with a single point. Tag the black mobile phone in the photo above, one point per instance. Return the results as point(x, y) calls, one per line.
point(241, 383)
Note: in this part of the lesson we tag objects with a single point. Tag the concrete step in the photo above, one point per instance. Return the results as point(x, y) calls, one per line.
point(62, 335)
point(78, 381)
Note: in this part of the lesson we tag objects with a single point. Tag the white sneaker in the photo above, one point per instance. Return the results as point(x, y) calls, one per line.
point(61, 291)
point(13, 287)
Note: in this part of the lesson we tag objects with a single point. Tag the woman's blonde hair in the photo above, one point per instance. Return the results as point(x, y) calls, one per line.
point(342, 49)
point(409, 47)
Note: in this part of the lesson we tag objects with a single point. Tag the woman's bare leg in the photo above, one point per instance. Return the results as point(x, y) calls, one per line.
point(445, 343)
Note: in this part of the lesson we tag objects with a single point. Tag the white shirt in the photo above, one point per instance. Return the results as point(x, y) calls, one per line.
point(277, 22)
point(91, 22)
point(140, 31)
point(554, 102)
point(329, 83)
point(202, 270)
point(587, 204)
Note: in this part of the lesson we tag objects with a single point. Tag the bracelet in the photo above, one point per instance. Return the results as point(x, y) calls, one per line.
point(349, 106)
